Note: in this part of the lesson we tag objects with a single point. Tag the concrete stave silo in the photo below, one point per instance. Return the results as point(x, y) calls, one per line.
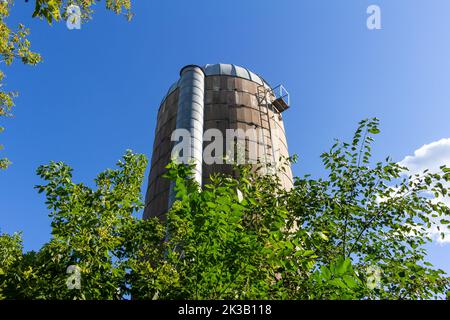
point(218, 96)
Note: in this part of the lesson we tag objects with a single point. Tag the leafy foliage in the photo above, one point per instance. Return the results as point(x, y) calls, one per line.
point(55, 10)
point(10, 255)
point(359, 234)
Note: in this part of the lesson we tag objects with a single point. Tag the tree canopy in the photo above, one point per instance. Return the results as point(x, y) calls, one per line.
point(358, 234)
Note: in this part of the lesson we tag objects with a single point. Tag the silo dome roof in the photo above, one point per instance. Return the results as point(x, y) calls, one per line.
point(226, 70)
point(232, 70)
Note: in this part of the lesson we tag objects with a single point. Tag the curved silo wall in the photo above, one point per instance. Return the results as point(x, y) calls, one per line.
point(156, 201)
point(232, 103)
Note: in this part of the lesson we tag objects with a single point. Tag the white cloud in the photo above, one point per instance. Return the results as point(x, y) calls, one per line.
point(434, 233)
point(432, 156)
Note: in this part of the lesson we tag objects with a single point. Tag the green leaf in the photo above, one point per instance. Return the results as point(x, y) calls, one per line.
point(350, 281)
point(338, 282)
point(323, 236)
point(343, 266)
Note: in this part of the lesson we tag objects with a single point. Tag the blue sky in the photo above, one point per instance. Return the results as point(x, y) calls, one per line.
point(97, 92)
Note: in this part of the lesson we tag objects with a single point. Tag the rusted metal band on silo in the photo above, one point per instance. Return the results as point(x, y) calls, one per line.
point(190, 117)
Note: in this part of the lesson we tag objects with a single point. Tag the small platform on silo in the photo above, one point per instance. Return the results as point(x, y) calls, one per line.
point(282, 98)
point(280, 104)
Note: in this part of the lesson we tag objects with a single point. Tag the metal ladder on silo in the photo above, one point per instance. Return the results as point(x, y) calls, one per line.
point(263, 103)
